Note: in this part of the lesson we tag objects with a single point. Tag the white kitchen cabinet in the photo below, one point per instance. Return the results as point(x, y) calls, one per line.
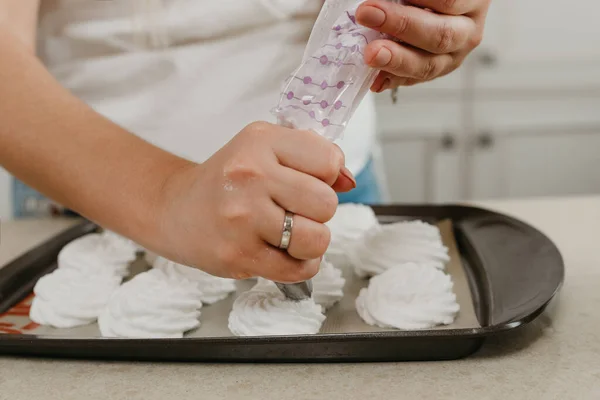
point(421, 149)
point(562, 161)
point(5, 195)
point(534, 148)
point(549, 46)
point(422, 170)
point(524, 112)
point(418, 118)
point(406, 169)
point(538, 114)
point(447, 86)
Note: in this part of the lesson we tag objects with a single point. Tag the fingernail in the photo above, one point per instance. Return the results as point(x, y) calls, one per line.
point(371, 17)
point(347, 174)
point(377, 85)
point(383, 57)
point(385, 85)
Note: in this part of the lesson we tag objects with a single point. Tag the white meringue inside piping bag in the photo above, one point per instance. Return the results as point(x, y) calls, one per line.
point(152, 305)
point(348, 227)
point(325, 90)
point(264, 311)
point(408, 297)
point(68, 297)
point(211, 288)
point(389, 245)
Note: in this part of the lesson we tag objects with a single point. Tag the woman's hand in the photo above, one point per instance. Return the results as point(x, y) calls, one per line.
point(436, 37)
point(226, 215)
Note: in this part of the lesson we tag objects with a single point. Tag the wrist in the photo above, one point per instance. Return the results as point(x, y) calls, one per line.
point(159, 201)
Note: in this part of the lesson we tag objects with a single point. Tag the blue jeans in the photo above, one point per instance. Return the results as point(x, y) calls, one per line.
point(367, 189)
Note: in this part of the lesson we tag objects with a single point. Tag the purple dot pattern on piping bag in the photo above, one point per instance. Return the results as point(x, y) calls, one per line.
point(322, 93)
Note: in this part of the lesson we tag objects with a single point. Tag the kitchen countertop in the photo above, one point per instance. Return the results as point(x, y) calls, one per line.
point(556, 357)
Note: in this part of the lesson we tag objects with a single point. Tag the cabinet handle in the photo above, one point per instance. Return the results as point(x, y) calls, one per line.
point(485, 140)
point(448, 142)
point(488, 59)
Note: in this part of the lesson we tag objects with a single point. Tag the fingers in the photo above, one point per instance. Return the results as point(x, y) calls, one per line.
point(385, 81)
point(303, 151)
point(278, 266)
point(451, 7)
point(435, 33)
point(407, 62)
point(309, 240)
point(345, 181)
point(310, 153)
point(302, 194)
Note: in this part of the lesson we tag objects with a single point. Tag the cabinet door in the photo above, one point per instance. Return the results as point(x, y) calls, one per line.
point(447, 178)
point(540, 45)
point(421, 148)
point(5, 195)
point(526, 147)
point(561, 162)
point(407, 169)
point(423, 170)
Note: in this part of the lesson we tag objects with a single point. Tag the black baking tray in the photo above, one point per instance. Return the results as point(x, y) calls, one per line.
point(513, 272)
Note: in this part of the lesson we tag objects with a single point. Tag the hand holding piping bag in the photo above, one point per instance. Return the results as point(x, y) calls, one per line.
point(323, 93)
point(427, 38)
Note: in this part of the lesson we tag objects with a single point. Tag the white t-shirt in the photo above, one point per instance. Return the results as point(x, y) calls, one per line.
point(222, 69)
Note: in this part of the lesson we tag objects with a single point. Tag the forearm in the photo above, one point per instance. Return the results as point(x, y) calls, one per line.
point(58, 145)
point(20, 18)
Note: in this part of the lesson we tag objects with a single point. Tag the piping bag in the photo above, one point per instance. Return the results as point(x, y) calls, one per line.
point(324, 91)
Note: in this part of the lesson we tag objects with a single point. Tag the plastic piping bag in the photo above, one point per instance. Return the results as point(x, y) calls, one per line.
point(324, 91)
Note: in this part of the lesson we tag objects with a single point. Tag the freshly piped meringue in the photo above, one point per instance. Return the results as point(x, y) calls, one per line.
point(150, 257)
point(98, 250)
point(328, 285)
point(348, 228)
point(264, 311)
point(389, 245)
point(408, 297)
point(264, 284)
point(212, 288)
point(68, 297)
point(152, 305)
point(120, 243)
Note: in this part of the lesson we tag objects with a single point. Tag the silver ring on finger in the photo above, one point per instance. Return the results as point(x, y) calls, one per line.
point(286, 235)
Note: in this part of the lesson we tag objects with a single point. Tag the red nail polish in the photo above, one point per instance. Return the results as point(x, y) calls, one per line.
point(346, 173)
point(387, 82)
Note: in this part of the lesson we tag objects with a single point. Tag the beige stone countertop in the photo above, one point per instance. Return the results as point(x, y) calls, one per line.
point(557, 357)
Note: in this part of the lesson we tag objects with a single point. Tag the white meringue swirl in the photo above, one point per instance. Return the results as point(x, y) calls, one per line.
point(152, 305)
point(120, 243)
point(98, 250)
point(348, 227)
point(67, 298)
point(328, 285)
point(264, 311)
point(408, 297)
point(404, 242)
point(212, 288)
